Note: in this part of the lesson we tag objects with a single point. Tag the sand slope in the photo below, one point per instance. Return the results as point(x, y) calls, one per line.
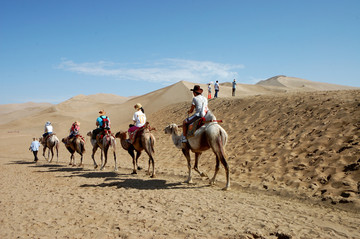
point(294, 159)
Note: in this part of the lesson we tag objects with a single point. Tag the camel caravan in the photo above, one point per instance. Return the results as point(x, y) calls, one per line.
point(200, 131)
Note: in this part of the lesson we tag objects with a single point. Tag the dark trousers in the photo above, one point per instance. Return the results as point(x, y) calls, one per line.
point(216, 92)
point(233, 91)
point(96, 132)
point(35, 156)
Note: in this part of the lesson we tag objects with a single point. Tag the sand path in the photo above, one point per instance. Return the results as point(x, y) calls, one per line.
point(56, 201)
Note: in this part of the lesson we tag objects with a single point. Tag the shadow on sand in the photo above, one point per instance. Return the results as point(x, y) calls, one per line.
point(141, 184)
point(111, 179)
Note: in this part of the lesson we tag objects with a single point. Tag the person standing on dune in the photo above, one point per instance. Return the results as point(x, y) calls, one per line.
point(233, 87)
point(217, 88)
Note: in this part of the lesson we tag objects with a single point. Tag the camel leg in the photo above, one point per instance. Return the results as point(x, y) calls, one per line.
point(197, 157)
point(115, 167)
point(44, 152)
point(186, 152)
point(71, 158)
point(92, 155)
point(57, 152)
point(138, 153)
point(81, 160)
point(81, 152)
point(132, 154)
point(105, 161)
point(52, 154)
point(227, 170)
point(151, 161)
point(212, 181)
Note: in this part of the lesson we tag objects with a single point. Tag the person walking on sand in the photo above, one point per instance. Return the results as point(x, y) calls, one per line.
point(34, 147)
point(233, 87)
point(217, 88)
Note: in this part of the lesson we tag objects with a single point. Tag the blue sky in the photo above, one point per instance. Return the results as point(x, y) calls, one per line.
point(51, 51)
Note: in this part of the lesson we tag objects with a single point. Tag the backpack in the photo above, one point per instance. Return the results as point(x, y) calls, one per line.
point(105, 122)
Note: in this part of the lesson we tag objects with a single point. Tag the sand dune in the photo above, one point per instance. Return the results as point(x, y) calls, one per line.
point(294, 160)
point(298, 84)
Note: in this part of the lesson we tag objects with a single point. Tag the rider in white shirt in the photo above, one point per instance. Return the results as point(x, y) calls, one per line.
point(200, 105)
point(139, 119)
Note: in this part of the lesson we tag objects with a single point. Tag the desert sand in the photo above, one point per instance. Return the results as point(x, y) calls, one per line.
point(293, 152)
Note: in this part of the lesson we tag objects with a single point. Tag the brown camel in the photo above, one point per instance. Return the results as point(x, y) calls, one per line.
point(108, 141)
point(51, 142)
point(210, 135)
point(74, 145)
point(145, 142)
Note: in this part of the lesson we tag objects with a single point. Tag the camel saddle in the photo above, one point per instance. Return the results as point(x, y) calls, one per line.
point(194, 126)
point(48, 136)
point(71, 140)
point(101, 135)
point(138, 132)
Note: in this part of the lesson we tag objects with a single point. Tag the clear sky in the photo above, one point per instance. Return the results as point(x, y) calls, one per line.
point(51, 51)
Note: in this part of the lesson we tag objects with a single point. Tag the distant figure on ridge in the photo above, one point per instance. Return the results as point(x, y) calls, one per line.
point(233, 87)
point(217, 88)
point(209, 91)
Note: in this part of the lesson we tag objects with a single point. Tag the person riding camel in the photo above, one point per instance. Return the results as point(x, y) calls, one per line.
point(74, 131)
point(200, 104)
point(102, 123)
point(48, 130)
point(139, 119)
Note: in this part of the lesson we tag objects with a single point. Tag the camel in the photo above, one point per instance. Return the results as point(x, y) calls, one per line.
point(108, 141)
point(210, 135)
point(75, 145)
point(51, 142)
point(145, 142)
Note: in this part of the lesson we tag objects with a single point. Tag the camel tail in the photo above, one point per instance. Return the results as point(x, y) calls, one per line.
point(113, 143)
point(82, 147)
point(57, 148)
point(152, 144)
point(222, 140)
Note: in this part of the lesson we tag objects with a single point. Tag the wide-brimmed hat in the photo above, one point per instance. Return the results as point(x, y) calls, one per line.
point(102, 112)
point(138, 106)
point(197, 89)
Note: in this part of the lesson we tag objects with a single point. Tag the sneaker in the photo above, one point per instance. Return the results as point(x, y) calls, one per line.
point(183, 139)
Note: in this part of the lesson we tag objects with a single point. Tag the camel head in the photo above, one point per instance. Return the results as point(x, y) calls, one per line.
point(121, 135)
point(89, 133)
point(172, 128)
point(63, 140)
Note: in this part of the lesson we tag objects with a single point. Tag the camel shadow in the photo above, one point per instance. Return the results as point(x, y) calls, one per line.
point(132, 183)
point(21, 162)
point(106, 175)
